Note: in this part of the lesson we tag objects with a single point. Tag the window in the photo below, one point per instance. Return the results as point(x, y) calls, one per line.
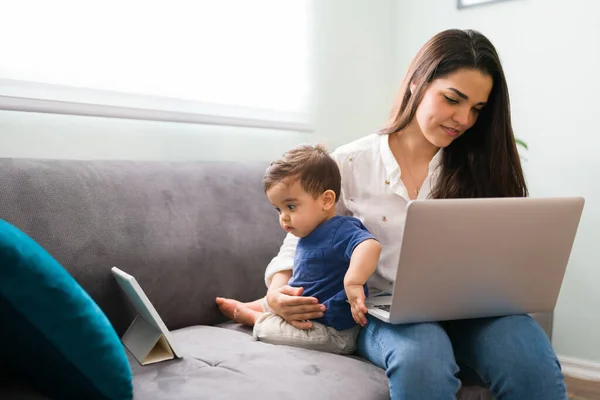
point(235, 62)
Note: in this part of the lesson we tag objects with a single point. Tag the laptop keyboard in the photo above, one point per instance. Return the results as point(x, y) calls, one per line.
point(384, 307)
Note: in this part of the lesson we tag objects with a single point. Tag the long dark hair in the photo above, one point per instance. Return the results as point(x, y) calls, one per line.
point(484, 161)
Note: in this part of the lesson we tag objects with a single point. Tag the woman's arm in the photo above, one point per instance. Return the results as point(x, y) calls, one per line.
point(283, 261)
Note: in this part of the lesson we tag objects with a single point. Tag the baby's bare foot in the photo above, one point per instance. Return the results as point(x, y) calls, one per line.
point(227, 307)
point(237, 311)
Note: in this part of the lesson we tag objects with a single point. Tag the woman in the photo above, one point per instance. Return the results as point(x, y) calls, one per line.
point(450, 136)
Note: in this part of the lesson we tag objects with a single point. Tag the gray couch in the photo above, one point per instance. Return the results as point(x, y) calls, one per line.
point(189, 232)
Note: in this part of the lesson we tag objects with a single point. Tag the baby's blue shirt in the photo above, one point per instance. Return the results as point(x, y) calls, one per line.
point(321, 262)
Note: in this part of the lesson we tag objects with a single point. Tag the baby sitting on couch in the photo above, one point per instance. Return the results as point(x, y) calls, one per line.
point(304, 187)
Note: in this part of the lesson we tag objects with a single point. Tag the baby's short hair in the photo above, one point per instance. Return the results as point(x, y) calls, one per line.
point(316, 170)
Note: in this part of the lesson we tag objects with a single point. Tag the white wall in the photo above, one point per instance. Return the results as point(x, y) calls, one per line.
point(352, 65)
point(551, 54)
point(355, 67)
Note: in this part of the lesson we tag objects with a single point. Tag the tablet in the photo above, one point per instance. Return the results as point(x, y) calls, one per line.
point(147, 338)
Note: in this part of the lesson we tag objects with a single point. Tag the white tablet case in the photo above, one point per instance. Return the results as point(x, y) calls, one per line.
point(147, 344)
point(147, 338)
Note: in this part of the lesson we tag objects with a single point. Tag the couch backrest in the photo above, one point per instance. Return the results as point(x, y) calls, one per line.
point(188, 231)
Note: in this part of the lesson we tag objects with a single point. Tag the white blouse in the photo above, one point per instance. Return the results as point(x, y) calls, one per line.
point(373, 192)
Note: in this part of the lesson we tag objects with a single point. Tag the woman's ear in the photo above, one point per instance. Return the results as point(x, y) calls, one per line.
point(328, 200)
point(412, 88)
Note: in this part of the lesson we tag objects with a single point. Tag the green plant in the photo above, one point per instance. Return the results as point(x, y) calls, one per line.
point(522, 144)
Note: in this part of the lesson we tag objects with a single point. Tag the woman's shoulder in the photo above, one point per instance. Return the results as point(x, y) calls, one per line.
point(365, 144)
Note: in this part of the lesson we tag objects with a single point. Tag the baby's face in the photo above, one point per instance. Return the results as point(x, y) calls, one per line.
point(299, 212)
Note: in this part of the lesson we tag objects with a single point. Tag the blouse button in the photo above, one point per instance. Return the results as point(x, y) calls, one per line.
point(384, 219)
point(350, 159)
point(387, 182)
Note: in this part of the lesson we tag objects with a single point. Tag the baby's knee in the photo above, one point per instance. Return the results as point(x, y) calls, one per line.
point(268, 325)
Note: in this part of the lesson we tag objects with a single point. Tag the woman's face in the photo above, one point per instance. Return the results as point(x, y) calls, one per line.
point(451, 105)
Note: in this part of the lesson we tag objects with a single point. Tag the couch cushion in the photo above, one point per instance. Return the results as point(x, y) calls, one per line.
point(221, 363)
point(53, 335)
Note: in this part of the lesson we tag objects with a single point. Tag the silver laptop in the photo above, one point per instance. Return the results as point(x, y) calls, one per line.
point(469, 258)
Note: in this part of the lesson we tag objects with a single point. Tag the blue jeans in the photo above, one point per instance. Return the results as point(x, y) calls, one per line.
point(510, 355)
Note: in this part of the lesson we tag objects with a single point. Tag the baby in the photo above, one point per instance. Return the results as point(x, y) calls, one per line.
point(304, 187)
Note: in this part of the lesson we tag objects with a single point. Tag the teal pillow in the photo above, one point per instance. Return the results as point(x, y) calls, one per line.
point(53, 335)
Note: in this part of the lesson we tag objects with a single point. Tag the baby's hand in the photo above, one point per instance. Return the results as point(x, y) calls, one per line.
point(356, 298)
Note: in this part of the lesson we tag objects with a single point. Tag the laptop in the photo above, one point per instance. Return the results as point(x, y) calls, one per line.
point(471, 258)
point(147, 338)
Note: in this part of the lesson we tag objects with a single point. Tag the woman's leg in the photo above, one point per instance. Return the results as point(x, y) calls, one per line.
point(418, 358)
point(511, 354)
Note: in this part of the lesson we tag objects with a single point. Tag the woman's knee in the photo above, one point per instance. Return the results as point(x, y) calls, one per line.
point(521, 360)
point(521, 345)
point(533, 370)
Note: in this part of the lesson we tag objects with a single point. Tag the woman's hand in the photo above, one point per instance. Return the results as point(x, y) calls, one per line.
point(356, 298)
point(287, 302)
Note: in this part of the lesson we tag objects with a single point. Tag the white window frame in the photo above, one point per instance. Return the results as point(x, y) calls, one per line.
point(36, 97)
